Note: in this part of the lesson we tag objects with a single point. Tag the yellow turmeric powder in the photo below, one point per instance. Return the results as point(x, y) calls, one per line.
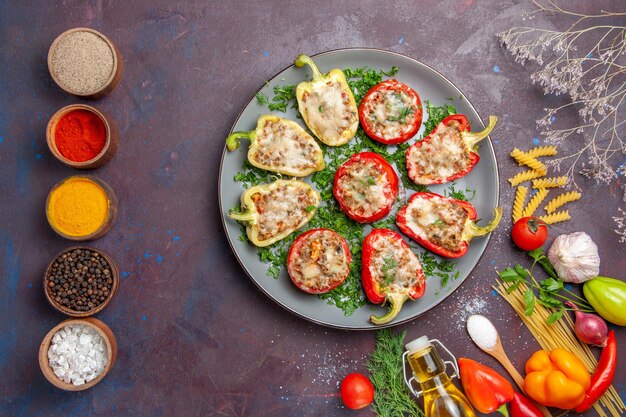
point(79, 206)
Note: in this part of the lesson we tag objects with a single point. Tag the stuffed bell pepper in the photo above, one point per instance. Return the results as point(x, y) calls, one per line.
point(365, 187)
point(443, 225)
point(280, 145)
point(327, 104)
point(447, 153)
point(391, 272)
point(391, 112)
point(318, 261)
point(273, 211)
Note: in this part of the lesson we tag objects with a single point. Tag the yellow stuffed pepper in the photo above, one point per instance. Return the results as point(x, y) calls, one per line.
point(556, 379)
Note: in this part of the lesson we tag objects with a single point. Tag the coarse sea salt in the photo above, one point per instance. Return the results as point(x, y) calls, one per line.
point(482, 331)
point(77, 354)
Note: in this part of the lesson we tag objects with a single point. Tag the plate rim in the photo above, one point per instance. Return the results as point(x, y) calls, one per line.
point(290, 309)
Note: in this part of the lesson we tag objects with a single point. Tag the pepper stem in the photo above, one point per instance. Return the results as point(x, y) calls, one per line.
point(232, 141)
point(302, 60)
point(502, 409)
point(243, 216)
point(396, 300)
point(472, 230)
point(472, 138)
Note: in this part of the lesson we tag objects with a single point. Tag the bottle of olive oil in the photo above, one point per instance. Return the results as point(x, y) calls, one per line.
point(441, 397)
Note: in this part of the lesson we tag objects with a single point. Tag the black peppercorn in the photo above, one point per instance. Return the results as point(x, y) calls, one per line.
point(79, 280)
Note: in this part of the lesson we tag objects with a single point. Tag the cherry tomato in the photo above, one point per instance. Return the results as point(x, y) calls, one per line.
point(356, 391)
point(529, 233)
point(391, 112)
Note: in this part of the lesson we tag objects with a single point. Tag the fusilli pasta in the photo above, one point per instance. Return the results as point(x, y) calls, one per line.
point(534, 202)
point(542, 151)
point(551, 182)
point(523, 159)
point(559, 216)
point(518, 203)
point(562, 199)
point(524, 176)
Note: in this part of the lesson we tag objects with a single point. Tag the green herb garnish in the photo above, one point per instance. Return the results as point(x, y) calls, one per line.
point(391, 396)
point(261, 98)
point(466, 195)
point(436, 114)
point(404, 113)
point(389, 265)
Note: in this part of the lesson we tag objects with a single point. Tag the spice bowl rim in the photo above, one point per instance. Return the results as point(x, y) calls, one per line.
point(110, 44)
point(109, 340)
point(51, 136)
point(115, 275)
point(111, 212)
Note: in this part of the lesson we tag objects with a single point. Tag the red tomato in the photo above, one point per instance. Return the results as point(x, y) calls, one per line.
point(356, 391)
point(391, 112)
point(529, 233)
point(365, 187)
point(313, 260)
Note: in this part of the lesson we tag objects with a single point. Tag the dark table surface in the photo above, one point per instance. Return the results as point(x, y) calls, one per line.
point(196, 337)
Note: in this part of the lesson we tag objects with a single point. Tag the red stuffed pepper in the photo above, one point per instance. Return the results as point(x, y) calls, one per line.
point(391, 272)
point(318, 261)
point(447, 153)
point(365, 187)
point(391, 112)
point(442, 225)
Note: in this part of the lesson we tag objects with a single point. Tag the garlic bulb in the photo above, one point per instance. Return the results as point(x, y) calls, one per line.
point(575, 257)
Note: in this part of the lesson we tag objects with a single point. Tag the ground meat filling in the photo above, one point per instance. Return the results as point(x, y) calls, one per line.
point(282, 146)
point(321, 261)
point(444, 155)
point(393, 264)
point(440, 223)
point(365, 188)
point(283, 208)
point(391, 113)
point(328, 111)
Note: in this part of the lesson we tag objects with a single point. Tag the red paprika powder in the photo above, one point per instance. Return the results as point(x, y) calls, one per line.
point(80, 135)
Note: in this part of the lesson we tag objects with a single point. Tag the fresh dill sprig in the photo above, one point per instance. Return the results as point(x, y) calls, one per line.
point(391, 396)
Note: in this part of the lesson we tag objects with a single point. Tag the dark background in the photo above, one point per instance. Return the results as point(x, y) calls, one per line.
point(195, 336)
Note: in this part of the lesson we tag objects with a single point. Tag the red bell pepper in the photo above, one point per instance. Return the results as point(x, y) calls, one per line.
point(391, 272)
point(603, 376)
point(447, 153)
point(442, 225)
point(391, 112)
point(523, 407)
point(319, 261)
point(365, 187)
point(484, 387)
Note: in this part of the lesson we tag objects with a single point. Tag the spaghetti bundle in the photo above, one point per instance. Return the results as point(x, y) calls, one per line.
point(560, 334)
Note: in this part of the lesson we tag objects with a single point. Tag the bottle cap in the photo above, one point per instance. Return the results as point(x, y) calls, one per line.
point(417, 344)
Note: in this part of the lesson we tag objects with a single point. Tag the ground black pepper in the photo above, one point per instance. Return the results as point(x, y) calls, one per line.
point(80, 280)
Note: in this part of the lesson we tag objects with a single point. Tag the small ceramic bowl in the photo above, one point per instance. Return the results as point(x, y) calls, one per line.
point(111, 348)
point(115, 276)
point(111, 214)
point(110, 144)
point(70, 56)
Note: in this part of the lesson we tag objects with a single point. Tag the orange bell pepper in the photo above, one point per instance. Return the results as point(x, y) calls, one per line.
point(556, 379)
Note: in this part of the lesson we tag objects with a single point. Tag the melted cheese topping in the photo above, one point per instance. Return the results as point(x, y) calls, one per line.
point(438, 221)
point(365, 188)
point(321, 262)
point(328, 111)
point(393, 264)
point(282, 146)
point(442, 156)
point(391, 113)
point(283, 208)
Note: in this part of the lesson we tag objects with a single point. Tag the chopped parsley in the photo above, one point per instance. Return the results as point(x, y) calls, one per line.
point(388, 269)
point(349, 295)
point(404, 113)
point(436, 114)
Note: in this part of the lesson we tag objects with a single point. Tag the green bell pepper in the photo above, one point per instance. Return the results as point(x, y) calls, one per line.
point(608, 297)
